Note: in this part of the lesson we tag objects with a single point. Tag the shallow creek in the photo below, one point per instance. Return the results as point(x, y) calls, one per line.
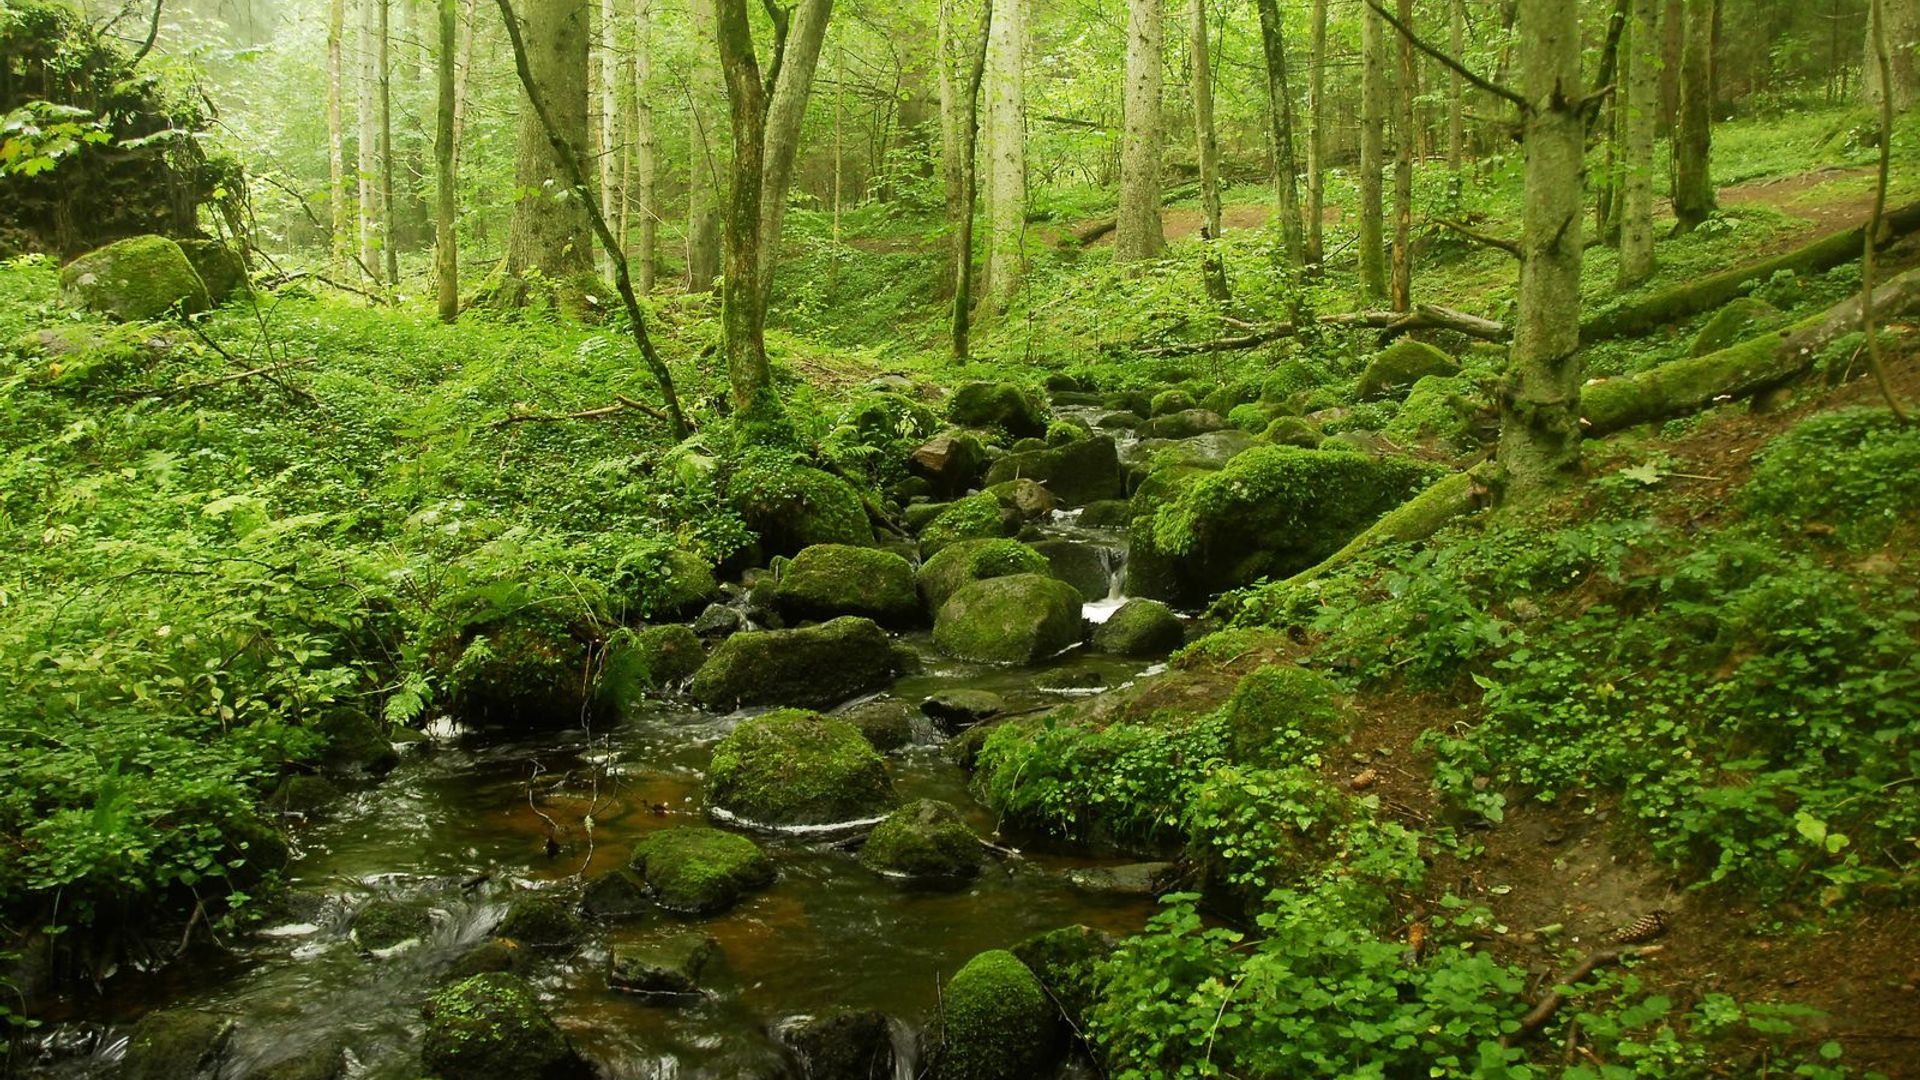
point(462, 825)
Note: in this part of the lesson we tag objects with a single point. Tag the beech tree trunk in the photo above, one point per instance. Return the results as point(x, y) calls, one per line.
point(549, 229)
point(340, 242)
point(1006, 151)
point(446, 250)
point(961, 73)
point(368, 143)
point(1286, 166)
point(1902, 19)
point(786, 112)
point(1138, 233)
point(1403, 147)
point(1456, 92)
point(641, 192)
point(383, 71)
point(1693, 198)
point(607, 145)
point(705, 187)
point(1640, 104)
point(1207, 146)
point(1317, 137)
point(1539, 428)
point(1373, 123)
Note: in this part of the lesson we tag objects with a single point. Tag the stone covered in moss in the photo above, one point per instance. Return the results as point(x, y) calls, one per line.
point(1062, 432)
point(888, 415)
point(1168, 402)
point(813, 667)
point(493, 954)
point(1079, 564)
point(1440, 409)
point(674, 583)
point(383, 924)
point(996, 1023)
point(834, 579)
point(968, 561)
point(1004, 405)
point(792, 506)
point(701, 871)
point(617, 894)
point(1066, 961)
point(1078, 473)
point(356, 743)
point(491, 1027)
point(976, 517)
point(1105, 514)
point(133, 280)
point(1730, 325)
point(524, 670)
point(1292, 431)
point(651, 658)
point(176, 1044)
point(885, 723)
point(1027, 498)
point(220, 267)
point(664, 967)
point(1009, 620)
point(1183, 425)
point(846, 1045)
point(797, 768)
point(542, 922)
point(951, 462)
point(1290, 378)
point(1395, 369)
point(303, 793)
point(1254, 417)
point(1281, 712)
point(1140, 628)
point(925, 842)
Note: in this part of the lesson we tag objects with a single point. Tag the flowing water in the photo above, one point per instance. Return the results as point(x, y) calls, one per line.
point(462, 826)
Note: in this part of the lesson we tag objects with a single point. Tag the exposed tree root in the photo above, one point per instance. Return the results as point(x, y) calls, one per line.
point(1550, 1004)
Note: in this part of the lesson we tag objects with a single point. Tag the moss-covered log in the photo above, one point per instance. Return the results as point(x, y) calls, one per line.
point(1753, 365)
point(1413, 521)
point(1628, 318)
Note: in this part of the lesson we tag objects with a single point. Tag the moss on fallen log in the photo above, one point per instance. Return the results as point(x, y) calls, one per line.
point(1412, 521)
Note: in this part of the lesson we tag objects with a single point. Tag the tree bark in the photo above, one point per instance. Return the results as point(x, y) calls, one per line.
point(446, 251)
point(1456, 92)
point(1403, 147)
point(339, 243)
point(743, 305)
point(1139, 234)
point(1902, 19)
point(1206, 147)
point(549, 229)
point(368, 143)
point(960, 129)
point(1286, 166)
point(641, 194)
point(1006, 152)
point(1673, 42)
point(786, 112)
point(1373, 122)
point(1640, 104)
point(1539, 430)
point(705, 189)
point(1693, 200)
point(1317, 138)
point(608, 150)
point(384, 74)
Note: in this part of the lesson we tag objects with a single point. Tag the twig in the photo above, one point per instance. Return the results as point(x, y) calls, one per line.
point(1541, 1013)
point(188, 388)
point(1449, 62)
point(286, 388)
point(621, 404)
point(1511, 247)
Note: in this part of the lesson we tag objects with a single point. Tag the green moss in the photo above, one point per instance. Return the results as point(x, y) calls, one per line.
point(491, 1027)
point(1078, 473)
point(975, 517)
point(524, 670)
point(1168, 402)
point(1016, 619)
point(1857, 470)
point(649, 658)
point(174, 1044)
point(1292, 378)
point(1293, 431)
point(814, 666)
point(1140, 628)
point(542, 922)
point(995, 1023)
point(356, 742)
point(382, 924)
point(1729, 325)
point(1067, 963)
point(1254, 417)
point(1062, 432)
point(133, 280)
point(1231, 396)
point(701, 871)
point(792, 506)
point(1396, 368)
point(835, 579)
point(967, 561)
point(1009, 407)
point(1439, 408)
point(220, 267)
point(797, 768)
point(925, 841)
point(303, 793)
point(1279, 714)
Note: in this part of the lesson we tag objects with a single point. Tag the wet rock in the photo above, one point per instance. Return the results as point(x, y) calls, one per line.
point(1082, 566)
point(920, 515)
point(357, 743)
point(719, 621)
point(220, 267)
point(815, 666)
point(524, 670)
point(325, 1060)
point(1168, 402)
point(951, 462)
point(303, 794)
point(995, 1023)
point(976, 517)
point(1028, 445)
point(791, 507)
point(924, 843)
point(1059, 382)
point(491, 1027)
point(846, 1045)
point(1105, 514)
point(964, 749)
point(1209, 451)
point(968, 561)
point(696, 870)
point(798, 768)
point(134, 280)
point(957, 710)
point(1066, 961)
point(665, 967)
point(887, 724)
point(380, 925)
point(1133, 401)
point(542, 922)
point(616, 894)
point(176, 1044)
point(1131, 880)
point(1078, 473)
point(1119, 421)
point(1009, 620)
point(651, 658)
point(1184, 425)
point(492, 955)
point(1394, 370)
point(1004, 405)
point(670, 585)
point(1292, 431)
point(1140, 628)
point(1027, 498)
point(833, 579)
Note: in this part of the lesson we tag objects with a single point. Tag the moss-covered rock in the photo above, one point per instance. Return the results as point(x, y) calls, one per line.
point(492, 955)
point(619, 893)
point(1140, 628)
point(357, 743)
point(1292, 431)
point(1254, 416)
point(1394, 369)
point(325, 1059)
point(665, 967)
point(1441, 410)
point(952, 462)
point(380, 925)
point(1067, 963)
point(834, 579)
point(542, 922)
point(303, 794)
point(886, 723)
point(1120, 421)
point(995, 1023)
point(1078, 473)
point(1730, 325)
point(1027, 498)
point(797, 768)
point(220, 266)
point(1062, 432)
point(968, 561)
point(813, 667)
point(1011, 620)
point(701, 871)
point(650, 658)
point(1209, 451)
point(1168, 402)
point(524, 670)
point(1105, 514)
point(133, 280)
point(1280, 713)
point(1013, 409)
point(670, 584)
point(957, 709)
point(1183, 425)
point(792, 506)
point(846, 1045)
point(176, 1044)
point(976, 517)
point(926, 843)
point(1291, 378)
point(491, 1027)
point(1080, 565)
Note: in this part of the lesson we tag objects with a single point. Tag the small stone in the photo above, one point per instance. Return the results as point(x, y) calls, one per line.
point(1132, 879)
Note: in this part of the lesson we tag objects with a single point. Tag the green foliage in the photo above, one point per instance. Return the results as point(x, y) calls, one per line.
point(1854, 470)
point(797, 768)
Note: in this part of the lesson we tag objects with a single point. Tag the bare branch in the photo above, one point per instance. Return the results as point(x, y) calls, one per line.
point(1449, 62)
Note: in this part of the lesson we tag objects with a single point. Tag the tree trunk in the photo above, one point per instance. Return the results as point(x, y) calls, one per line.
point(1317, 139)
point(548, 232)
point(1373, 122)
point(1138, 233)
point(1640, 104)
point(1673, 43)
point(607, 146)
point(786, 112)
point(960, 130)
point(1539, 429)
point(705, 188)
point(743, 310)
point(446, 250)
point(1403, 140)
point(339, 243)
point(384, 73)
point(1902, 19)
point(1006, 151)
point(1207, 147)
point(368, 143)
point(1286, 166)
point(641, 196)
point(1693, 139)
point(1456, 92)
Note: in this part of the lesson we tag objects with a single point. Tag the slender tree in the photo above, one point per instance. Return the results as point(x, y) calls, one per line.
point(446, 251)
point(1317, 137)
point(961, 74)
point(1403, 146)
point(607, 149)
point(1693, 200)
point(1640, 105)
point(549, 230)
point(1373, 122)
point(706, 189)
point(383, 71)
point(1456, 93)
point(640, 192)
point(368, 140)
point(1006, 151)
point(1286, 166)
point(337, 201)
point(1207, 145)
point(790, 85)
point(1138, 233)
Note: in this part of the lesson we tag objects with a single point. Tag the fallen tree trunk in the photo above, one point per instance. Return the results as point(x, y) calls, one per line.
point(1393, 324)
point(1687, 386)
point(1624, 319)
point(1412, 521)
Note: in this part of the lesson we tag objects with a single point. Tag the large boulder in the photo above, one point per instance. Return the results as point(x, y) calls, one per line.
point(1004, 405)
point(834, 579)
point(134, 280)
point(995, 1023)
point(792, 506)
point(968, 561)
point(1080, 472)
point(663, 968)
point(952, 462)
point(924, 843)
point(383, 925)
point(1280, 714)
point(812, 667)
point(797, 768)
point(1080, 565)
point(176, 1044)
point(1208, 451)
point(1184, 424)
point(845, 1045)
point(1028, 498)
point(695, 870)
point(220, 266)
point(1066, 961)
point(650, 658)
point(542, 922)
point(1394, 369)
point(976, 517)
point(1009, 620)
point(491, 1027)
point(1140, 628)
point(528, 668)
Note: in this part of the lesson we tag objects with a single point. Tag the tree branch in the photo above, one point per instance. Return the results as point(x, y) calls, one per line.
point(621, 404)
point(1541, 1013)
point(1511, 247)
point(153, 33)
point(1449, 62)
